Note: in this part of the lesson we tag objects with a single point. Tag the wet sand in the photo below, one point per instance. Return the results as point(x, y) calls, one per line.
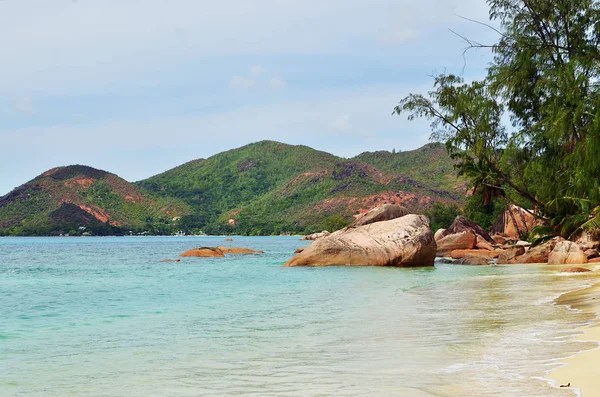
point(582, 371)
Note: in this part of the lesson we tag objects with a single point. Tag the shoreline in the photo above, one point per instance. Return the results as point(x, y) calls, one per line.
point(580, 370)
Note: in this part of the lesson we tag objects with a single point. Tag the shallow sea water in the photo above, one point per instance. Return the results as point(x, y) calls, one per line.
point(104, 317)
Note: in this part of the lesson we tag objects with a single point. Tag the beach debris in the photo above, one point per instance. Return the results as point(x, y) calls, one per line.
point(298, 250)
point(404, 242)
point(567, 385)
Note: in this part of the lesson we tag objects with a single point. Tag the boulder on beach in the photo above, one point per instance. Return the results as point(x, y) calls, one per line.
point(567, 253)
point(458, 254)
point(462, 224)
point(505, 223)
point(473, 261)
point(537, 254)
point(482, 244)
point(439, 234)
point(507, 255)
point(316, 236)
point(217, 252)
point(591, 253)
point(405, 242)
point(459, 241)
point(385, 212)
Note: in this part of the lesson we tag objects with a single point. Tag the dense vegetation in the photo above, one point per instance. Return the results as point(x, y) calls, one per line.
point(544, 79)
point(263, 188)
point(79, 199)
point(272, 188)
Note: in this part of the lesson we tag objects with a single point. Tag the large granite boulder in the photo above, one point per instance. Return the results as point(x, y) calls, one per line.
point(459, 241)
point(506, 256)
point(316, 236)
point(483, 244)
point(457, 254)
point(439, 234)
point(405, 242)
point(473, 261)
point(504, 223)
point(537, 254)
point(567, 253)
point(462, 224)
point(381, 213)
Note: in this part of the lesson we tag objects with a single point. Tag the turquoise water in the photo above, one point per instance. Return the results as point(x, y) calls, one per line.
point(104, 317)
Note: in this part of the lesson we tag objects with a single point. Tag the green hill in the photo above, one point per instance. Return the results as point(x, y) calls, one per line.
point(271, 188)
point(80, 199)
point(262, 188)
point(429, 163)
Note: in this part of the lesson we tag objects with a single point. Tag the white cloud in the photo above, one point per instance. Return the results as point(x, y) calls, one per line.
point(62, 45)
point(342, 123)
point(24, 105)
point(255, 71)
point(277, 83)
point(253, 80)
point(242, 82)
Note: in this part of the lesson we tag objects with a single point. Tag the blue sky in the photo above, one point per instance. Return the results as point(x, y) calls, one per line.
point(136, 87)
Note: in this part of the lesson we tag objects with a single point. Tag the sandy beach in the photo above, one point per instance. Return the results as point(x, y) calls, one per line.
point(582, 371)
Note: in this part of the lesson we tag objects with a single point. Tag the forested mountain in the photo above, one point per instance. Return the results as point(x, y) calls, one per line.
point(259, 189)
point(271, 188)
point(80, 199)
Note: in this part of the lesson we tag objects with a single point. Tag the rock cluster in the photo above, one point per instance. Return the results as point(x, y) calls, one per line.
point(389, 236)
point(404, 241)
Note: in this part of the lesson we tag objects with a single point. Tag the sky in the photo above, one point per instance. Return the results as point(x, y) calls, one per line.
point(136, 87)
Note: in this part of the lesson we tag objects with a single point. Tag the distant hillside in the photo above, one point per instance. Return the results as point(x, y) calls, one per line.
point(271, 188)
point(430, 163)
point(262, 188)
point(69, 199)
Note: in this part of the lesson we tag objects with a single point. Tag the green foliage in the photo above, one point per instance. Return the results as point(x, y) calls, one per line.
point(430, 164)
point(335, 222)
point(442, 215)
point(271, 188)
point(64, 199)
point(544, 78)
point(268, 188)
point(483, 214)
